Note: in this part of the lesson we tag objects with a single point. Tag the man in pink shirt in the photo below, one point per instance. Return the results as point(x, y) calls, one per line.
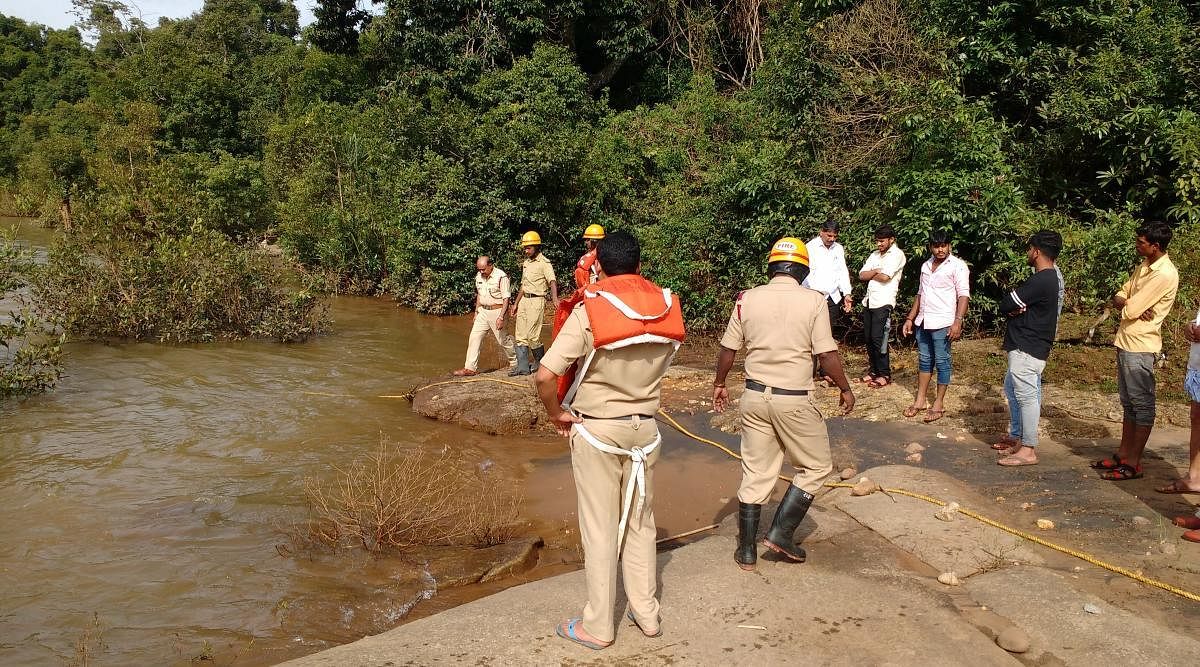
point(937, 313)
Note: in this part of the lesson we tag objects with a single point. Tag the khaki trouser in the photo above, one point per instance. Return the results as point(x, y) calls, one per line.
point(530, 313)
point(771, 425)
point(485, 321)
point(600, 480)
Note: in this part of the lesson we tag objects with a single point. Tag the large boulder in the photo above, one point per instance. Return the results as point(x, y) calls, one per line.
point(491, 402)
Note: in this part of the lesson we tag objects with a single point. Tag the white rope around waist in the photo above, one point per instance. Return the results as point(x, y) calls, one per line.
point(636, 480)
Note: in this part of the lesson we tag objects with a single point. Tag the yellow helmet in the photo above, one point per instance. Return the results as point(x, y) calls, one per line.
point(593, 232)
point(533, 238)
point(789, 249)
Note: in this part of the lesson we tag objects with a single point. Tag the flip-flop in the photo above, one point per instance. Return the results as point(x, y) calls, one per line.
point(1004, 445)
point(866, 378)
point(1122, 473)
point(1174, 488)
point(1013, 462)
point(629, 615)
point(569, 635)
point(1106, 464)
point(879, 382)
point(933, 415)
point(912, 410)
point(1191, 522)
point(1192, 536)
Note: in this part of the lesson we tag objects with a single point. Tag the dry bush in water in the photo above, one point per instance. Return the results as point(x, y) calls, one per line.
point(394, 500)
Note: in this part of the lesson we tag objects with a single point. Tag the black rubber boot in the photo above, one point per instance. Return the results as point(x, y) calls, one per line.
point(536, 362)
point(522, 367)
point(791, 511)
point(747, 549)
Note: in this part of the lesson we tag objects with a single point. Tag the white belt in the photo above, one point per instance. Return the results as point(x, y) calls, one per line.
point(636, 480)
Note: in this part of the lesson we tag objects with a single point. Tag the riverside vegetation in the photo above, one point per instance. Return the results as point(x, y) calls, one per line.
point(386, 150)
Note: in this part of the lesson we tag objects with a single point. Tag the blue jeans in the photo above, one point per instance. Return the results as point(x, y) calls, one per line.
point(933, 351)
point(1023, 387)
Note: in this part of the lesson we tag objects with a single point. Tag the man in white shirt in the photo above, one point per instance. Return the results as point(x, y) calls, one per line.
point(829, 275)
point(881, 272)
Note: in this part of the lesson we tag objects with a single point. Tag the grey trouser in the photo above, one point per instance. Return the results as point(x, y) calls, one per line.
point(1023, 387)
point(1135, 384)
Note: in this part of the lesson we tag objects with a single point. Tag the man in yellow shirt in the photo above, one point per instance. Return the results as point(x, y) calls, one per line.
point(1143, 302)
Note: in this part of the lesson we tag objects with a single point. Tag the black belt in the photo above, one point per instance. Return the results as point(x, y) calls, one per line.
point(758, 386)
point(534, 296)
point(626, 417)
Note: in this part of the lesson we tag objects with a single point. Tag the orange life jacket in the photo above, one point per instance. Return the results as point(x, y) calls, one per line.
point(626, 310)
point(586, 270)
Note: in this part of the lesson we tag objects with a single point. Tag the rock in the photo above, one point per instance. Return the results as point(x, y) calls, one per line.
point(493, 407)
point(1026, 506)
point(913, 458)
point(864, 487)
point(943, 436)
point(1168, 548)
point(1045, 524)
point(848, 473)
point(1141, 521)
point(948, 578)
point(947, 512)
point(1091, 608)
point(914, 448)
point(460, 566)
point(1013, 640)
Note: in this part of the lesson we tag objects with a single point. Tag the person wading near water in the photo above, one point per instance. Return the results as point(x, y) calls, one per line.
point(782, 326)
point(586, 271)
point(1144, 301)
point(623, 336)
point(491, 303)
point(1032, 310)
point(537, 280)
point(937, 313)
point(829, 275)
point(881, 272)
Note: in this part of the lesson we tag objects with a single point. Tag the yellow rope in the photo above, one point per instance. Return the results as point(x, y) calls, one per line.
point(978, 517)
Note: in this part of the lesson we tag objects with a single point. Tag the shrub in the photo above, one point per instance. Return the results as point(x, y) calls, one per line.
point(393, 499)
point(31, 358)
point(171, 289)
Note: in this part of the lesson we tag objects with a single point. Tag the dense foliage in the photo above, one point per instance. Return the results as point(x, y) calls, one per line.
point(386, 150)
point(30, 355)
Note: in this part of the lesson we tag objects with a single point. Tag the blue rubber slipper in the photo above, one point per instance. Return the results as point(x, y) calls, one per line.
point(570, 636)
point(629, 615)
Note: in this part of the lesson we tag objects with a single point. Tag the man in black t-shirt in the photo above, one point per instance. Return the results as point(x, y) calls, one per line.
point(1032, 311)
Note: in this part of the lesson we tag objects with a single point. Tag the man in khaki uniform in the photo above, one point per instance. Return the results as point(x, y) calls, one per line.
point(537, 280)
point(782, 326)
point(491, 304)
point(613, 436)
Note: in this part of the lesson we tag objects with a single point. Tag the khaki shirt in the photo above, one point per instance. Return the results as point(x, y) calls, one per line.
point(536, 275)
point(1150, 286)
point(781, 325)
point(492, 290)
point(619, 383)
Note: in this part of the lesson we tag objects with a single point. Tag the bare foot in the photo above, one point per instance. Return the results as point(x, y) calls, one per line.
point(1024, 456)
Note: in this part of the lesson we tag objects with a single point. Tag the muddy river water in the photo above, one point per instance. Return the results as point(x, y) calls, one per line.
point(144, 497)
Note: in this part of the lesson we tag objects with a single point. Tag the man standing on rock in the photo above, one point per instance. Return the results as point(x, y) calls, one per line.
point(782, 326)
point(881, 272)
point(1032, 310)
point(829, 275)
point(623, 336)
point(937, 315)
point(491, 303)
point(586, 271)
point(1144, 301)
point(537, 280)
